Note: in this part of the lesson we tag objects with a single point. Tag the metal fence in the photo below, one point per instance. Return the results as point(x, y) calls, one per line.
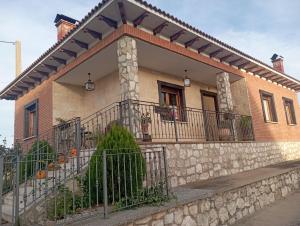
point(152, 122)
point(79, 184)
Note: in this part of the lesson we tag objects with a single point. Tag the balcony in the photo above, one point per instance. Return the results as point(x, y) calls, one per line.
point(151, 122)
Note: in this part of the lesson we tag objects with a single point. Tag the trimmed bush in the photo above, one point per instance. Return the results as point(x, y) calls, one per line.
point(125, 167)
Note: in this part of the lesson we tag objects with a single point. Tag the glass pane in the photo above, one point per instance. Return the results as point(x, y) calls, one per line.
point(288, 113)
point(173, 99)
point(267, 109)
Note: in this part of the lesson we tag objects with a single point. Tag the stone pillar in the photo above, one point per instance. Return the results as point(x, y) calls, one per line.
point(129, 84)
point(226, 104)
point(224, 92)
point(128, 68)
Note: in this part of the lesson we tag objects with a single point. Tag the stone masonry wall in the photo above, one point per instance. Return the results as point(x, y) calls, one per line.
point(193, 162)
point(227, 207)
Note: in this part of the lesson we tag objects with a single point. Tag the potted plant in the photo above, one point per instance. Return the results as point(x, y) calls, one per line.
point(145, 120)
point(73, 152)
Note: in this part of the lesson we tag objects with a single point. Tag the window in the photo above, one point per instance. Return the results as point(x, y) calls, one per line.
point(268, 106)
point(289, 111)
point(31, 119)
point(171, 98)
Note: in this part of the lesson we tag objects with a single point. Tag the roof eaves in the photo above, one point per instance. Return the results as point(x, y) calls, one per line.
point(211, 38)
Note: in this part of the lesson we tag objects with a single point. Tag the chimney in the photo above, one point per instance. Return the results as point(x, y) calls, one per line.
point(64, 24)
point(277, 62)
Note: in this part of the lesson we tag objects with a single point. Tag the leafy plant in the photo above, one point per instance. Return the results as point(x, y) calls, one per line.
point(38, 157)
point(125, 167)
point(154, 196)
point(63, 204)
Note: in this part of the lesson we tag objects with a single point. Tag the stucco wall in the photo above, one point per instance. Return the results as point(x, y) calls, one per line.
point(73, 101)
point(240, 97)
point(149, 88)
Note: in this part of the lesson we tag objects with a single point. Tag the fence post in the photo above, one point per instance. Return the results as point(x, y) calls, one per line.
point(174, 120)
point(104, 176)
point(1, 185)
point(166, 171)
point(78, 142)
point(16, 190)
point(130, 116)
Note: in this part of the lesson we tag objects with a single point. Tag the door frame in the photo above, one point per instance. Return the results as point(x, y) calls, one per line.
point(210, 94)
point(215, 96)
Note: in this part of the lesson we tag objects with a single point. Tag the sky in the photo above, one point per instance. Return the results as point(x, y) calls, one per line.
point(259, 28)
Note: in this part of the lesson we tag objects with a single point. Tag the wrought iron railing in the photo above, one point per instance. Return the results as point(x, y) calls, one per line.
point(106, 181)
point(152, 122)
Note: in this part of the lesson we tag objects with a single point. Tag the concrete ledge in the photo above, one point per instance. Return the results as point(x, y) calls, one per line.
point(220, 201)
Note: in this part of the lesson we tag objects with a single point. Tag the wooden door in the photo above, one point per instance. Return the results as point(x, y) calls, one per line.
point(210, 109)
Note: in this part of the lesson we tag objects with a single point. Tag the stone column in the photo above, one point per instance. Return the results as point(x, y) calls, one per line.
point(129, 84)
point(224, 92)
point(225, 102)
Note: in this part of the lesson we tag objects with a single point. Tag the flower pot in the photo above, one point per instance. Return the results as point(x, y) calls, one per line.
point(73, 152)
point(61, 159)
point(41, 174)
point(51, 166)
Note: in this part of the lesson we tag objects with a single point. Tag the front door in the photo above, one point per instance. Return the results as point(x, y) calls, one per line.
point(210, 109)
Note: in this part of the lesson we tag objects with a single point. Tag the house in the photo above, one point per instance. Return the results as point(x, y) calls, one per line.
point(168, 82)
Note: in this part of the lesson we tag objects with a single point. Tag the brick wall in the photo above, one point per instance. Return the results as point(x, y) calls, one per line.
point(272, 131)
point(44, 94)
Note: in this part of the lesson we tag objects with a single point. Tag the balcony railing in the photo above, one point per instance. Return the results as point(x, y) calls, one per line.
point(151, 122)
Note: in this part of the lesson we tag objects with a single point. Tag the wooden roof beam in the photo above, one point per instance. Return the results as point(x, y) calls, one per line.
point(69, 52)
point(215, 53)
point(203, 48)
point(159, 28)
point(222, 59)
point(81, 44)
point(191, 42)
point(249, 69)
point(48, 66)
point(42, 73)
point(175, 36)
point(28, 83)
point(94, 34)
point(110, 22)
point(35, 78)
point(137, 21)
point(264, 74)
point(233, 62)
point(258, 71)
point(122, 12)
point(243, 65)
point(59, 60)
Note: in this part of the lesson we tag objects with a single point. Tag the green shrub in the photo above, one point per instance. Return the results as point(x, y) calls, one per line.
point(63, 203)
point(40, 154)
point(125, 167)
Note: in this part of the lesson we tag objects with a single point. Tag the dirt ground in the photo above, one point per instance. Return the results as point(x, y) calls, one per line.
point(285, 212)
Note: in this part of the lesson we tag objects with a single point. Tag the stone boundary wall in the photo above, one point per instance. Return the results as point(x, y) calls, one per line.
point(193, 162)
point(227, 207)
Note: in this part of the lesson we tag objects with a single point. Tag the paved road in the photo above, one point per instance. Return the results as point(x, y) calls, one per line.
point(285, 212)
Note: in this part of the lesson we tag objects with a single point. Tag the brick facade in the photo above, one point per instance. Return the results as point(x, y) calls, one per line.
point(263, 131)
point(44, 95)
point(272, 131)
